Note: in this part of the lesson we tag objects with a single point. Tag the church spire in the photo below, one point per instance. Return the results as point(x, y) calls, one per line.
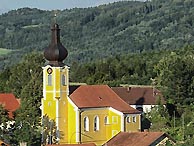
point(55, 53)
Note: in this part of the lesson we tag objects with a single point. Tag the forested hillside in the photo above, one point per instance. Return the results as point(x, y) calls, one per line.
point(100, 32)
point(122, 43)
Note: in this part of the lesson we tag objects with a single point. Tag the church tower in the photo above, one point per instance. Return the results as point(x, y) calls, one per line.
point(56, 83)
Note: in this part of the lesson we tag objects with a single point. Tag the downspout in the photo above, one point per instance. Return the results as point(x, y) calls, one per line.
point(124, 128)
point(80, 139)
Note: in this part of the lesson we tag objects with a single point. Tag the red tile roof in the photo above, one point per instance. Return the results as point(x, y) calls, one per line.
point(139, 95)
point(92, 96)
point(88, 144)
point(3, 143)
point(9, 102)
point(136, 138)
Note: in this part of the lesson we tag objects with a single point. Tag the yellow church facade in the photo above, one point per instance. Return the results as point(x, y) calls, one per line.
point(90, 114)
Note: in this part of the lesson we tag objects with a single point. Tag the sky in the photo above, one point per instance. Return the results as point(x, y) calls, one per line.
point(6, 5)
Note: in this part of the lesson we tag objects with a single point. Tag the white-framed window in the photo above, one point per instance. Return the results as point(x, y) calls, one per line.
point(96, 123)
point(86, 124)
point(128, 119)
point(106, 120)
point(63, 80)
point(49, 80)
point(134, 119)
point(114, 119)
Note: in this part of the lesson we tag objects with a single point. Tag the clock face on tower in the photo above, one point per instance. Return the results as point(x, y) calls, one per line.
point(49, 70)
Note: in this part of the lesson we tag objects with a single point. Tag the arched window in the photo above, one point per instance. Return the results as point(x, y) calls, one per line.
point(49, 80)
point(86, 124)
point(96, 123)
point(134, 119)
point(106, 120)
point(128, 119)
point(63, 80)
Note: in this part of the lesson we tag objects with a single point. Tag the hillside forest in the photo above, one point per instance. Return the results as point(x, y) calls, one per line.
point(124, 43)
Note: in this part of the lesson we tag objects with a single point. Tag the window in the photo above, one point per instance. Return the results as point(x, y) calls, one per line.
point(86, 124)
point(128, 119)
point(114, 119)
point(106, 120)
point(49, 80)
point(134, 119)
point(63, 80)
point(96, 123)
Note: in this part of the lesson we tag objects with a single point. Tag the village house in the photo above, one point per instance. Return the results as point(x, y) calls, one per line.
point(143, 98)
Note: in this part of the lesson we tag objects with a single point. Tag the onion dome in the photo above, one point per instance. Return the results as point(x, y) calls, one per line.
point(56, 52)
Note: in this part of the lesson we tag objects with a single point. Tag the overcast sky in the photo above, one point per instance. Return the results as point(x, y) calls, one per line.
point(6, 5)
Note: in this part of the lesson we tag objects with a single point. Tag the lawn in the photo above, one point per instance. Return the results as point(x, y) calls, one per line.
point(4, 51)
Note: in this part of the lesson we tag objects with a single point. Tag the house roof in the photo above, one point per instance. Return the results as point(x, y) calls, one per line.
point(137, 139)
point(3, 143)
point(9, 102)
point(141, 95)
point(94, 96)
point(88, 144)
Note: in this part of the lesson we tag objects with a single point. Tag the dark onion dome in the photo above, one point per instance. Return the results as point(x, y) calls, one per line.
point(56, 52)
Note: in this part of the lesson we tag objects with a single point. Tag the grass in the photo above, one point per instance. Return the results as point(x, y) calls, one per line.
point(31, 26)
point(4, 51)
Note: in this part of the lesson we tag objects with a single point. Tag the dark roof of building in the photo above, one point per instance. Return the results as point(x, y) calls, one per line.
point(72, 88)
point(137, 139)
point(56, 52)
point(87, 144)
point(95, 96)
point(9, 102)
point(139, 95)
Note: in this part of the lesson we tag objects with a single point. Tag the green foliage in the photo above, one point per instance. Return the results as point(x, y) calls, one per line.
point(25, 81)
point(96, 33)
point(50, 134)
point(124, 69)
point(23, 74)
point(4, 118)
point(175, 76)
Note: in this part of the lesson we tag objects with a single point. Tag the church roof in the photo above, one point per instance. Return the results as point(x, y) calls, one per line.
point(137, 139)
point(56, 52)
point(9, 102)
point(140, 95)
point(94, 96)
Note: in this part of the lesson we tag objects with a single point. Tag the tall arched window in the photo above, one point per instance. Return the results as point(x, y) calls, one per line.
point(96, 123)
point(86, 124)
point(128, 119)
point(49, 80)
point(63, 80)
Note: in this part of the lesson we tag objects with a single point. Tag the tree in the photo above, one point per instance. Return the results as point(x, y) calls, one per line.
point(50, 134)
point(4, 119)
point(175, 76)
point(25, 81)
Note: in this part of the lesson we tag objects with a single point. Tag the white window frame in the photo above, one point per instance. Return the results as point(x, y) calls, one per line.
point(86, 124)
point(134, 119)
point(96, 123)
point(128, 119)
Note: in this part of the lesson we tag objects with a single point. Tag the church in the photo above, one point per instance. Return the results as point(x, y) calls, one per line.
point(88, 114)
